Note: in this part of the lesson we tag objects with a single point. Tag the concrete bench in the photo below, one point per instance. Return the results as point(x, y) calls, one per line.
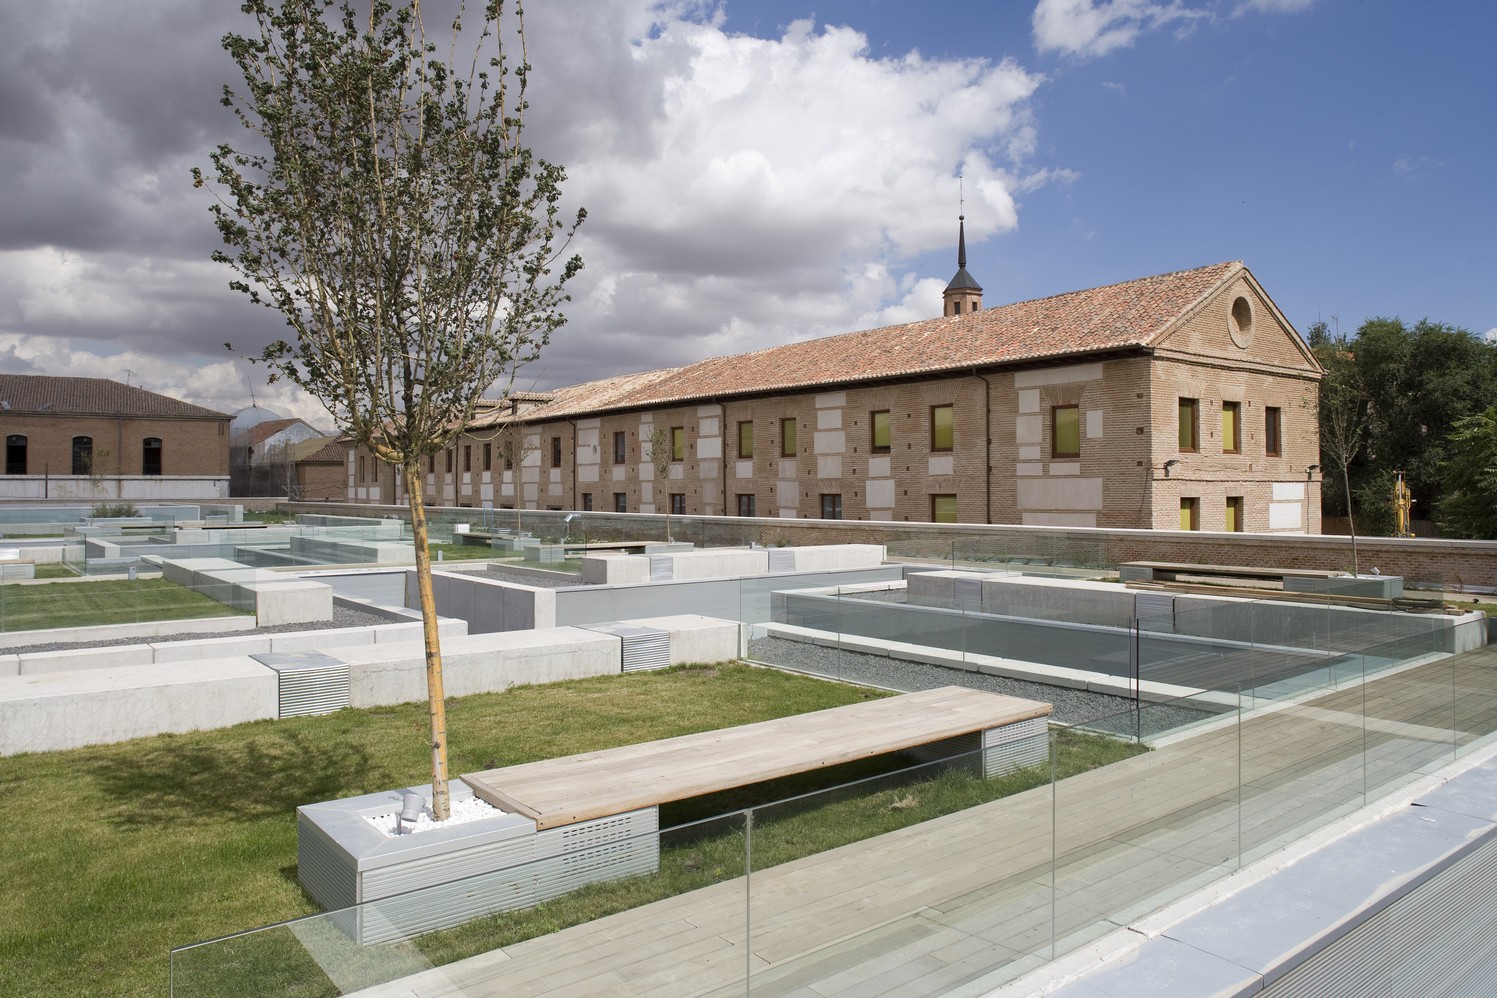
point(593, 817)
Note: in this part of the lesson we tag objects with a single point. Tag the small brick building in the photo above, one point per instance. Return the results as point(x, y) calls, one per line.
point(1184, 400)
point(95, 440)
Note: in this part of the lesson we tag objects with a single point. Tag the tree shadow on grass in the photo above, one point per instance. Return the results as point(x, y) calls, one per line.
point(267, 775)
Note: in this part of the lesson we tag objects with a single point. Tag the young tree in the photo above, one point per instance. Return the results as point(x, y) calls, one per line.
point(384, 203)
point(661, 456)
point(1343, 422)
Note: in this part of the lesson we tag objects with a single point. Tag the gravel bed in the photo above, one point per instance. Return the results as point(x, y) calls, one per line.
point(1070, 706)
point(342, 617)
point(526, 579)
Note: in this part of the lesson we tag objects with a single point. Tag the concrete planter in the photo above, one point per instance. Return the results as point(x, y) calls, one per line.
point(392, 887)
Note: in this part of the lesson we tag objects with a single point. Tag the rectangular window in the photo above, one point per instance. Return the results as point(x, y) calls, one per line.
point(1065, 431)
point(488, 457)
point(787, 437)
point(831, 506)
point(620, 444)
point(746, 438)
point(943, 509)
point(1190, 514)
point(509, 454)
point(746, 504)
point(678, 503)
point(467, 457)
point(942, 428)
point(1273, 432)
point(678, 443)
point(448, 452)
point(83, 456)
point(1231, 427)
point(1234, 514)
point(621, 502)
point(361, 468)
point(878, 424)
point(556, 452)
point(150, 461)
point(587, 502)
point(431, 463)
point(15, 454)
point(1188, 425)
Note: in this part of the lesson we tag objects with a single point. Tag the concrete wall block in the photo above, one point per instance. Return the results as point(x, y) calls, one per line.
point(206, 648)
point(695, 638)
point(330, 639)
point(1059, 599)
point(831, 557)
point(296, 602)
point(10, 665)
point(69, 660)
point(46, 713)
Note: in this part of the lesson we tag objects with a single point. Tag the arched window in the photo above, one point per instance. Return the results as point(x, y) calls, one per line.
point(150, 456)
point(15, 454)
point(83, 455)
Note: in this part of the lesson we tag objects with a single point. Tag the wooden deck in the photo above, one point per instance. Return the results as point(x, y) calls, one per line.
point(965, 902)
point(576, 788)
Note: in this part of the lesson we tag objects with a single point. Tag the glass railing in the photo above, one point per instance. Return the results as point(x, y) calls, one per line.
point(924, 879)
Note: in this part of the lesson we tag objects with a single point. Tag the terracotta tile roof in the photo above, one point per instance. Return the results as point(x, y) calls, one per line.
point(1131, 315)
point(92, 396)
point(320, 450)
point(261, 432)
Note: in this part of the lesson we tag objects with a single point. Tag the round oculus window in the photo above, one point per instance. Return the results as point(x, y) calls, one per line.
point(1240, 322)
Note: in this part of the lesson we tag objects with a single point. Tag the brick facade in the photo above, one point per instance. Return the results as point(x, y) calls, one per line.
point(1117, 410)
point(134, 445)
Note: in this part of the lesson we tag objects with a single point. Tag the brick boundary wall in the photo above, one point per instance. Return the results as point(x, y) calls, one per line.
point(1452, 565)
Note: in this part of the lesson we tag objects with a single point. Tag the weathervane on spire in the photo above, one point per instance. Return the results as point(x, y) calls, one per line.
point(963, 294)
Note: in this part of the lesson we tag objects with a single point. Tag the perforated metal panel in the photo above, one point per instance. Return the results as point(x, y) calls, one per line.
point(1015, 746)
point(620, 845)
point(662, 567)
point(308, 682)
point(781, 560)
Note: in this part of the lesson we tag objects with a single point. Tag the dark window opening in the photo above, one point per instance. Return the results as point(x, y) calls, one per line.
point(150, 456)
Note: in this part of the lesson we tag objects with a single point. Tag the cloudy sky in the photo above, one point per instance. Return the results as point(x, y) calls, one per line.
point(760, 171)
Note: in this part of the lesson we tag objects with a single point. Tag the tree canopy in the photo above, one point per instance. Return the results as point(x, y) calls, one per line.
point(385, 204)
point(1415, 384)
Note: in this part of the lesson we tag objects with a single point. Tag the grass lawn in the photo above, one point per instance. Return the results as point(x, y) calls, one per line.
point(110, 601)
point(115, 853)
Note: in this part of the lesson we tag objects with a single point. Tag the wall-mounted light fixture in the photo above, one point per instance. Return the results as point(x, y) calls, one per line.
point(1310, 472)
point(1170, 464)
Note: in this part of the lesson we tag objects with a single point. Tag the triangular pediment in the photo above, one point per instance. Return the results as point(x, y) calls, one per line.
point(1236, 322)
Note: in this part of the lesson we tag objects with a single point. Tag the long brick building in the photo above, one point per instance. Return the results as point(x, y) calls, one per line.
point(1184, 400)
point(96, 440)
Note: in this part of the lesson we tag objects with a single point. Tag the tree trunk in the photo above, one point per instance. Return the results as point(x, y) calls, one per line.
point(440, 801)
point(1351, 522)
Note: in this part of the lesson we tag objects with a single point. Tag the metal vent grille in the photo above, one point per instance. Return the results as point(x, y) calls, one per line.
point(643, 647)
point(309, 682)
point(967, 593)
point(1015, 746)
point(1155, 611)
point(662, 568)
point(781, 560)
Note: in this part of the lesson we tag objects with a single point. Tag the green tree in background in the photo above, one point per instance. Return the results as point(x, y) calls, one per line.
point(1469, 506)
point(384, 203)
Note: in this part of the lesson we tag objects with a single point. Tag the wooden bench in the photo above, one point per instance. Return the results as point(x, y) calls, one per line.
point(1169, 571)
point(942, 722)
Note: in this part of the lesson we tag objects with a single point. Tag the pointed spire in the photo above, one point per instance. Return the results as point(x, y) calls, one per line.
point(963, 294)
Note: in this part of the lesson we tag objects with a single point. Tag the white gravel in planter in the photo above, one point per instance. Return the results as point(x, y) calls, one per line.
point(462, 812)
